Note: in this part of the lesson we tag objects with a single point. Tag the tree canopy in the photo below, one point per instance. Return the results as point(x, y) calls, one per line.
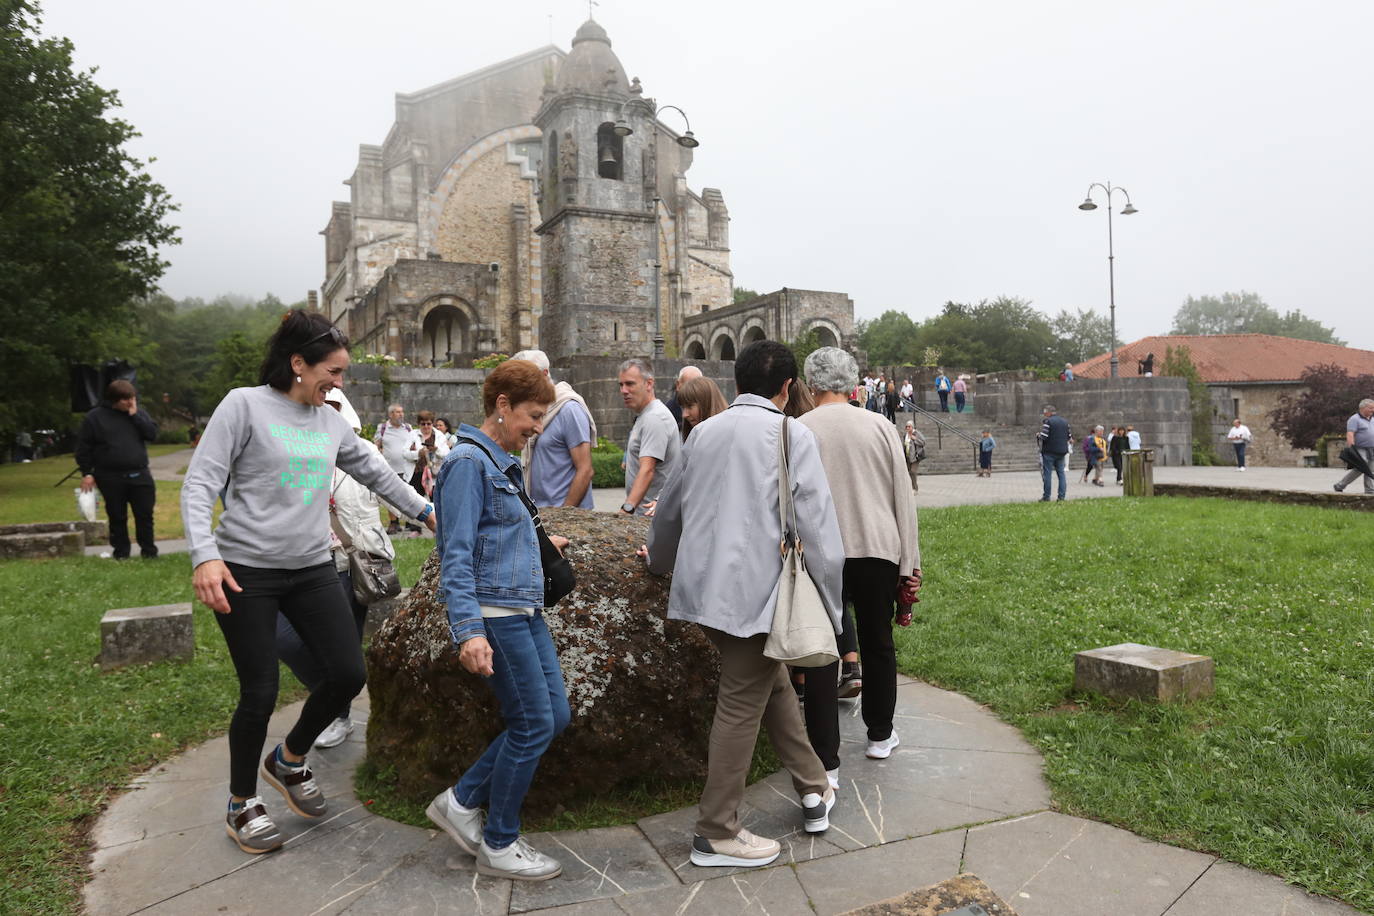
point(1329, 396)
point(1247, 313)
point(81, 222)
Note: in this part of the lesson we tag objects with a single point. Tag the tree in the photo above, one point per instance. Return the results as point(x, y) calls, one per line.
point(804, 346)
point(80, 220)
point(1246, 313)
point(889, 339)
point(743, 294)
point(1178, 362)
point(1082, 335)
point(1329, 396)
point(997, 334)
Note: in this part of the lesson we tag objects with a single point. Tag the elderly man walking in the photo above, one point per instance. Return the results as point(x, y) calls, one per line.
point(716, 528)
point(1054, 440)
point(1359, 435)
point(558, 461)
point(651, 455)
point(867, 471)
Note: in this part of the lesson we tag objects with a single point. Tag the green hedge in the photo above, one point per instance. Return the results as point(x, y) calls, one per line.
point(606, 469)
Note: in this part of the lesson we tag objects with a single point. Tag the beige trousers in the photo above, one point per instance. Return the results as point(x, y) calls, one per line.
point(913, 470)
point(753, 690)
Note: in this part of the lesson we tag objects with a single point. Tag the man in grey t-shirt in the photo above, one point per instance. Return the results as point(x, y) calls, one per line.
point(1359, 435)
point(655, 442)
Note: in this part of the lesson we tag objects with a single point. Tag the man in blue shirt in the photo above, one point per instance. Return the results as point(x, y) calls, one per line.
point(942, 387)
point(558, 462)
point(1054, 440)
point(1359, 435)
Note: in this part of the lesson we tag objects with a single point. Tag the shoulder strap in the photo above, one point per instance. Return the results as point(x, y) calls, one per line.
point(787, 512)
point(530, 507)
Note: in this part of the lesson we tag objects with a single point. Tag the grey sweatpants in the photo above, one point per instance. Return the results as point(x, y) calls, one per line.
point(1349, 478)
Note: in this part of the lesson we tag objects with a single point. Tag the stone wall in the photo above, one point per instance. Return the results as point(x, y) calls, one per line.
point(597, 380)
point(1157, 407)
point(783, 315)
point(1253, 404)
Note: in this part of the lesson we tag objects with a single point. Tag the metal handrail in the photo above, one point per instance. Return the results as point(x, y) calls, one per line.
point(941, 426)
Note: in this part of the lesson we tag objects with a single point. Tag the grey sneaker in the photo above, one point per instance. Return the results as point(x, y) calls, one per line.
point(519, 861)
point(335, 733)
point(463, 824)
point(816, 810)
point(742, 851)
point(296, 785)
point(251, 828)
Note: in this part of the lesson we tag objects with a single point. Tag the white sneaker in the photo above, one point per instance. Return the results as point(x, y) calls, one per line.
point(464, 825)
point(335, 733)
point(833, 777)
point(519, 860)
point(881, 750)
point(816, 811)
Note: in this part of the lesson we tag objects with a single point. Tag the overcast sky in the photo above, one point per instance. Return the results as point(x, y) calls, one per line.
point(905, 153)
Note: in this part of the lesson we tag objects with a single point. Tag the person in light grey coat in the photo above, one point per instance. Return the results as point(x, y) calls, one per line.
point(716, 529)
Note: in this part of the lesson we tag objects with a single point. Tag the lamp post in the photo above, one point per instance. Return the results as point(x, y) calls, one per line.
point(1127, 210)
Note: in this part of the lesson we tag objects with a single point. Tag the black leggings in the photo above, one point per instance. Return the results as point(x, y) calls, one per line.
point(318, 610)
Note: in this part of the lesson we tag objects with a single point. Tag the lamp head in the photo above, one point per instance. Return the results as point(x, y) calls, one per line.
point(622, 128)
point(1128, 209)
point(688, 141)
point(1087, 204)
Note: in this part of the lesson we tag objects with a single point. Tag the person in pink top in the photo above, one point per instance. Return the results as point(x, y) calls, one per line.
point(960, 391)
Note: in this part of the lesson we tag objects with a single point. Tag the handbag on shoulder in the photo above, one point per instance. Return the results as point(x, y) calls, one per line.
point(374, 578)
point(802, 634)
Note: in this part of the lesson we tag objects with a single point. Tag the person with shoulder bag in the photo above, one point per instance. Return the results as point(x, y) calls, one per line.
point(363, 558)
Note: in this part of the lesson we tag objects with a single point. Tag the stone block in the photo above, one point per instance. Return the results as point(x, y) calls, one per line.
point(96, 532)
point(134, 635)
point(1131, 670)
point(42, 544)
point(962, 895)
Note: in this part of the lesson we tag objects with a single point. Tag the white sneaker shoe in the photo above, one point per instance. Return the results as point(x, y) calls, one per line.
point(816, 811)
point(464, 825)
point(833, 777)
point(881, 750)
point(519, 860)
point(335, 733)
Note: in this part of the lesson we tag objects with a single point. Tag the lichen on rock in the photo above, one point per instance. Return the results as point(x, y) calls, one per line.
point(641, 687)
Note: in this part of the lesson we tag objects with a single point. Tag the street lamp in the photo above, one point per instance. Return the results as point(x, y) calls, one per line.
point(1127, 210)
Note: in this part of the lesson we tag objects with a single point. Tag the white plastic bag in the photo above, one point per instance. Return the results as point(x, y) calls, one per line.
point(85, 501)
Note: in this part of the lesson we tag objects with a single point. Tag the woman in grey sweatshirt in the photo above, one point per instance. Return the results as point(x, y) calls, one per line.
point(270, 452)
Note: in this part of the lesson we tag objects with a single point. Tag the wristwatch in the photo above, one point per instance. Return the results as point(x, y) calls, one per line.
point(627, 508)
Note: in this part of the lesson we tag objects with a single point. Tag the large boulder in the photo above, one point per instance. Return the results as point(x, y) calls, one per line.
point(641, 687)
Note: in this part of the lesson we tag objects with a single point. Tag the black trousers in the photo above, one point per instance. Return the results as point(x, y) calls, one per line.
point(318, 610)
point(871, 585)
point(297, 657)
point(122, 491)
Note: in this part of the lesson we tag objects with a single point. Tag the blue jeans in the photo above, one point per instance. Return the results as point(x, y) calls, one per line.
point(528, 684)
point(1240, 453)
point(1055, 464)
point(959, 401)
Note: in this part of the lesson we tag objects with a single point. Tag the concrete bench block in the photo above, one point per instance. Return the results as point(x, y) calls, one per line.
point(40, 544)
point(135, 635)
point(379, 612)
point(1131, 670)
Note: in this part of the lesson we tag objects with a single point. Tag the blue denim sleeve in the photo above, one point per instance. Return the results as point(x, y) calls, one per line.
point(458, 504)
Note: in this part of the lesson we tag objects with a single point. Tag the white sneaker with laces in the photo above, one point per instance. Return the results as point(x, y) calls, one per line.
point(335, 733)
point(816, 811)
point(833, 777)
point(519, 861)
point(464, 825)
point(881, 750)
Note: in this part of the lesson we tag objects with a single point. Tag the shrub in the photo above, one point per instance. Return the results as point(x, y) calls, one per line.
point(606, 469)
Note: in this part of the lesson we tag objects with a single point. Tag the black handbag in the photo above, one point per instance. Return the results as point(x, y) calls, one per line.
point(559, 578)
point(374, 578)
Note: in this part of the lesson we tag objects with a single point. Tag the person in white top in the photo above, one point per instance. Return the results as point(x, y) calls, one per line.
point(1239, 437)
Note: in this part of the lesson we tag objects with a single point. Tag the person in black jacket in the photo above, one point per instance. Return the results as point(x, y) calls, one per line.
point(112, 452)
point(1054, 440)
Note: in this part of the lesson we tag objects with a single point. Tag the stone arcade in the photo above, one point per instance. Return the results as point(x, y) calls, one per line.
point(505, 210)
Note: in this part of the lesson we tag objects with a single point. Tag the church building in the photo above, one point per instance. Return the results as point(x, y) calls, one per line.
point(541, 201)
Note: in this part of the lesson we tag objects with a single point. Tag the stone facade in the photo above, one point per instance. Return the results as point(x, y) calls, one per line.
point(1253, 403)
point(784, 315)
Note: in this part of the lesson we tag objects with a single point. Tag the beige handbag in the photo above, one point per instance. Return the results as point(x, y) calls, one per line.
point(802, 634)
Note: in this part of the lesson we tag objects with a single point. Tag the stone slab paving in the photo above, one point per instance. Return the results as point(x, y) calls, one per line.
point(962, 793)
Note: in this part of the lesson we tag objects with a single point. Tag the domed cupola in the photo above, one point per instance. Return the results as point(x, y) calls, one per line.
point(592, 66)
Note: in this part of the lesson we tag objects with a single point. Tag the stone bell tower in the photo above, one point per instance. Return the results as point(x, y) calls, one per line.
point(598, 207)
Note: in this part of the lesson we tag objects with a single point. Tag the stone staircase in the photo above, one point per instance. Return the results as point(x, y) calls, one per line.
point(947, 452)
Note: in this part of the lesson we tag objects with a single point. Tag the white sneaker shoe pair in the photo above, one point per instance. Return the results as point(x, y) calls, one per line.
point(519, 860)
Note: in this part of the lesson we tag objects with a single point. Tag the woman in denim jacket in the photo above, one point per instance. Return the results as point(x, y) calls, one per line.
point(493, 585)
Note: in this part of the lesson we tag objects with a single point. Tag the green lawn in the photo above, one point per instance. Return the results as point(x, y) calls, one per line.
point(1277, 770)
point(28, 494)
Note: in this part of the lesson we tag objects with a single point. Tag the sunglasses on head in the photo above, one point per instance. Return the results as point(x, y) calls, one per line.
point(332, 332)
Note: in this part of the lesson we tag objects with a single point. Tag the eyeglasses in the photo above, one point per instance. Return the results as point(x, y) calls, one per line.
point(426, 423)
point(333, 332)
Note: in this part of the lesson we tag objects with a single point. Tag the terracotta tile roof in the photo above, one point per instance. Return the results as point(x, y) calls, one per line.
point(1234, 357)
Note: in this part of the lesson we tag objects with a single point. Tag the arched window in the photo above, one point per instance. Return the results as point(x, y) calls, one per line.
point(696, 350)
point(824, 336)
point(753, 334)
point(610, 152)
point(445, 331)
point(723, 347)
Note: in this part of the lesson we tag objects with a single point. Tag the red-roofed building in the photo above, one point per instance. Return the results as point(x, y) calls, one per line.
point(1247, 374)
